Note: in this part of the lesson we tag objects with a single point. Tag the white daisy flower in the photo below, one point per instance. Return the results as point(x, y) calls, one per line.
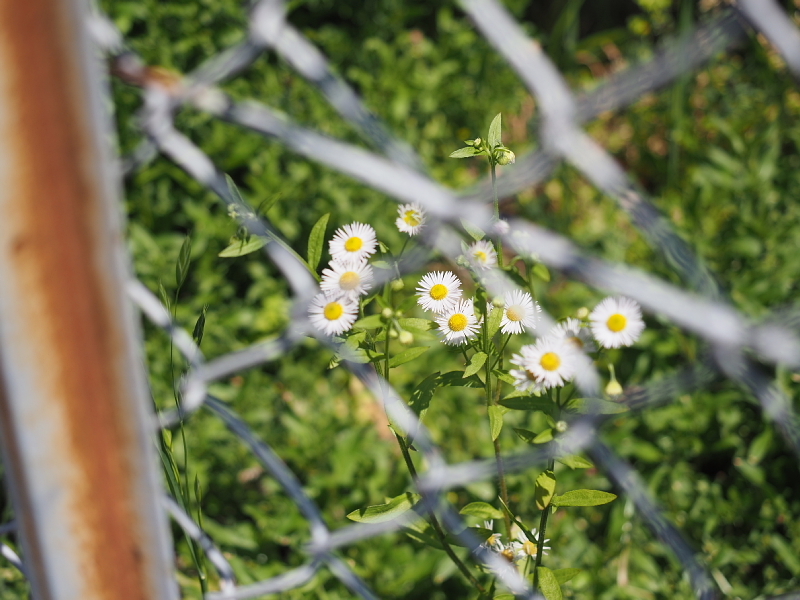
point(573, 331)
point(459, 324)
point(524, 380)
point(521, 312)
point(616, 322)
point(330, 316)
point(411, 218)
point(493, 539)
point(551, 361)
point(482, 255)
point(350, 279)
point(353, 242)
point(524, 547)
point(439, 291)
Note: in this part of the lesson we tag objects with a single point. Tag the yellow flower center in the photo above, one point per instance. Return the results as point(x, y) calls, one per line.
point(617, 322)
point(412, 218)
point(514, 313)
point(439, 292)
point(550, 361)
point(349, 280)
point(457, 322)
point(508, 554)
point(480, 256)
point(529, 548)
point(333, 310)
point(353, 244)
point(578, 342)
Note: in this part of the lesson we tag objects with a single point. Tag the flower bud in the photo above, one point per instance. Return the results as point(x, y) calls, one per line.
point(504, 156)
point(498, 302)
point(561, 426)
point(392, 333)
point(397, 285)
point(406, 337)
point(613, 388)
point(387, 313)
point(476, 143)
point(583, 312)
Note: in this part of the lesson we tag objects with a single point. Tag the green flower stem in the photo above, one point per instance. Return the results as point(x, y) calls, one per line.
point(542, 529)
point(496, 213)
point(437, 528)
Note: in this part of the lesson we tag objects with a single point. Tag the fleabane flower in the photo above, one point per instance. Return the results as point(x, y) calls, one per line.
point(616, 322)
point(411, 218)
point(551, 361)
point(574, 332)
point(482, 255)
point(458, 324)
point(520, 312)
point(524, 547)
point(332, 316)
point(353, 242)
point(439, 291)
point(349, 279)
point(524, 380)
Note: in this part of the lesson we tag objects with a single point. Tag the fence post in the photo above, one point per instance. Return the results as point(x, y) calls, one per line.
point(76, 439)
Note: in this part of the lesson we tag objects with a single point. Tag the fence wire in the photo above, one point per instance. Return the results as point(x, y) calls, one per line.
point(733, 342)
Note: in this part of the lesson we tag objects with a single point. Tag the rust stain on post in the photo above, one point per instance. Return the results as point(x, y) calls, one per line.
point(56, 251)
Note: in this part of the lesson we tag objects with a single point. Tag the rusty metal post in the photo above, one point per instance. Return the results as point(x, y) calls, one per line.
point(77, 448)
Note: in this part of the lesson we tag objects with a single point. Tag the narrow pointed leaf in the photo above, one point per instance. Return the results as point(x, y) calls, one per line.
point(457, 379)
point(423, 324)
point(478, 359)
point(548, 584)
point(385, 512)
point(528, 403)
point(422, 394)
point(241, 248)
point(482, 510)
point(474, 232)
point(541, 272)
point(544, 490)
point(407, 356)
point(316, 241)
point(575, 462)
point(465, 152)
point(184, 258)
point(596, 406)
point(496, 420)
point(544, 437)
point(370, 322)
point(493, 324)
point(583, 498)
point(495, 138)
point(564, 575)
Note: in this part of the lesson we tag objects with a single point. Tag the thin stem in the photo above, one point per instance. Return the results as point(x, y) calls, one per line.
point(496, 212)
point(437, 528)
point(540, 541)
point(499, 358)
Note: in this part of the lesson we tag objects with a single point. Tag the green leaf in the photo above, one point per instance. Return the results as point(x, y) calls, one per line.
point(504, 597)
point(503, 376)
point(541, 272)
point(457, 379)
point(478, 359)
point(494, 138)
point(596, 406)
point(199, 326)
point(482, 510)
point(240, 247)
point(544, 490)
point(421, 324)
point(496, 420)
point(184, 258)
point(385, 512)
point(575, 462)
point(525, 434)
point(370, 322)
point(529, 403)
point(544, 437)
point(475, 233)
point(407, 356)
point(759, 447)
point(464, 152)
point(493, 324)
point(422, 394)
point(548, 584)
point(316, 241)
point(564, 575)
point(162, 293)
point(583, 498)
point(786, 553)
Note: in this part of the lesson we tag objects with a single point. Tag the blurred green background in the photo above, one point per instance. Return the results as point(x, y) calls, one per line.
point(718, 151)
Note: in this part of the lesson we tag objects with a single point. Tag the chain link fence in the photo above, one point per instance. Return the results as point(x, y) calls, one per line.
point(734, 344)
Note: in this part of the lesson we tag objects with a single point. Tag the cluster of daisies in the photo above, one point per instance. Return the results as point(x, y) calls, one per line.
point(520, 548)
point(348, 277)
point(440, 292)
point(553, 360)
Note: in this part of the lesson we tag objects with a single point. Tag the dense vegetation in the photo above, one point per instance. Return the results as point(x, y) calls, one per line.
point(718, 151)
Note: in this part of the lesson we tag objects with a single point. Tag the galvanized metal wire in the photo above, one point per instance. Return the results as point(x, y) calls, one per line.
point(733, 341)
